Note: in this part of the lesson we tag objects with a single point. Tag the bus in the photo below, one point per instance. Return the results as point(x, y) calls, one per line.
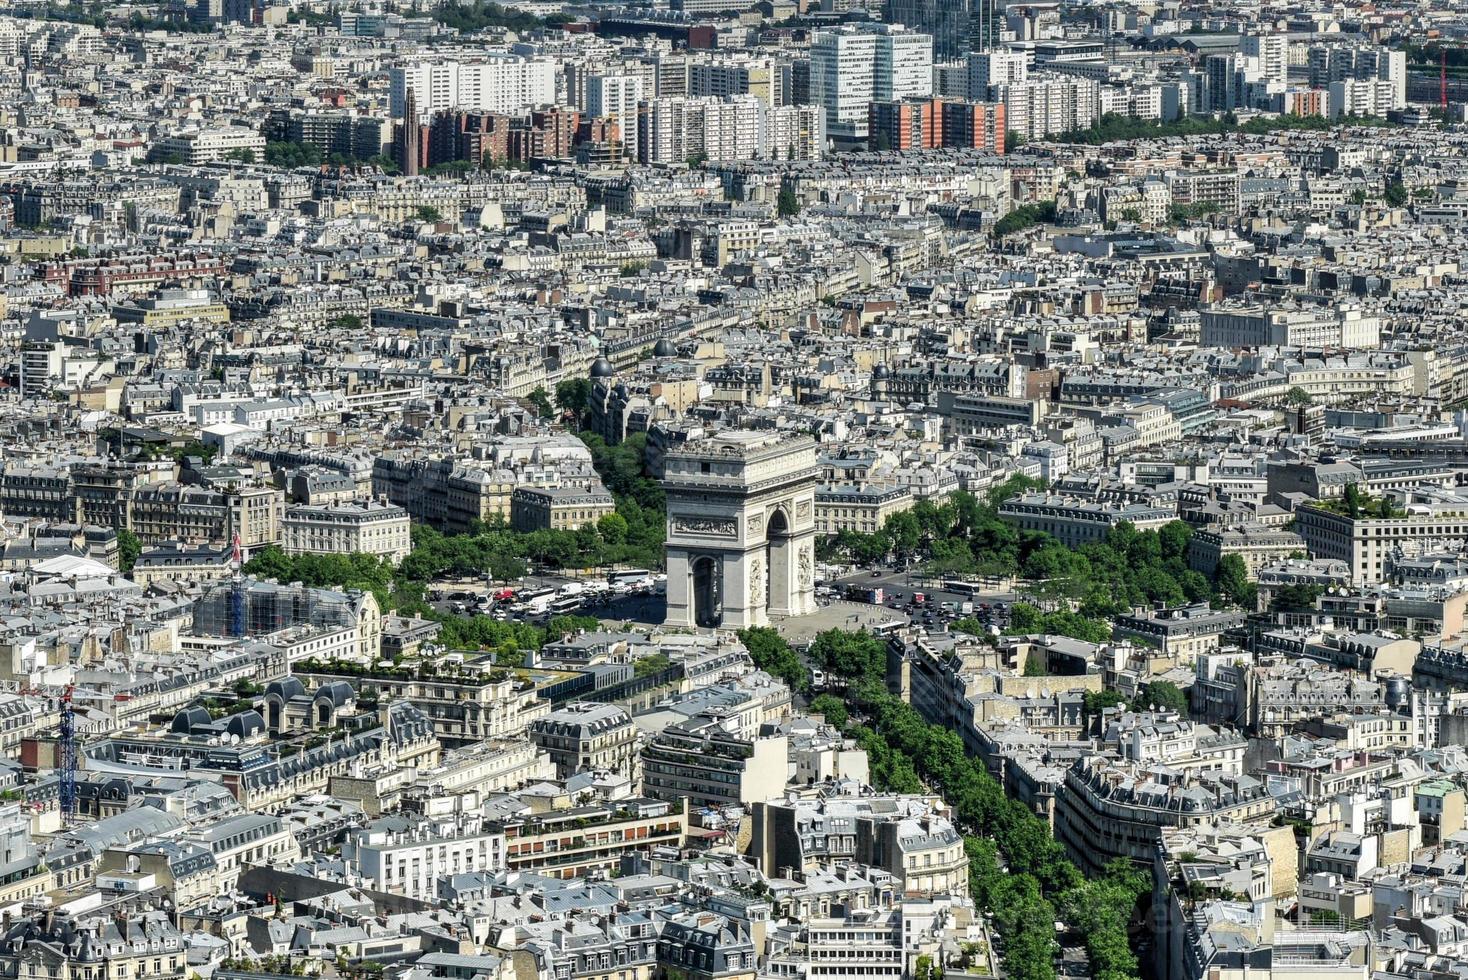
point(629, 577)
point(564, 606)
point(533, 602)
point(963, 588)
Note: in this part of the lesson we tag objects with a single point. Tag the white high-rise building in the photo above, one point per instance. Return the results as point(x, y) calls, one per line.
point(904, 66)
point(850, 67)
point(678, 127)
point(1369, 98)
point(500, 83)
point(989, 68)
point(795, 132)
point(1272, 52)
point(1360, 63)
point(1041, 107)
point(616, 97)
point(744, 128)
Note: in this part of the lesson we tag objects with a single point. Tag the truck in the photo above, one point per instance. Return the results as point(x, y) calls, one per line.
point(863, 593)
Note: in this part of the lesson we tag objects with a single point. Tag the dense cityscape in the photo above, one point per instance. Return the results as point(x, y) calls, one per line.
point(733, 490)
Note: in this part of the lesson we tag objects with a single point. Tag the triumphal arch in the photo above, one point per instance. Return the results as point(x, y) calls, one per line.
point(741, 529)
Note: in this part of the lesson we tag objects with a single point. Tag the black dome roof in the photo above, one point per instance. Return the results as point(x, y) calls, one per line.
point(602, 368)
point(664, 348)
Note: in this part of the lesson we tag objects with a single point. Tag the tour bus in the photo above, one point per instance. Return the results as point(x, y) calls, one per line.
point(564, 606)
point(536, 601)
point(963, 588)
point(629, 577)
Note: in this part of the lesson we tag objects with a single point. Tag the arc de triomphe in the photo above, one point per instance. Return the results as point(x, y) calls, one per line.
point(741, 529)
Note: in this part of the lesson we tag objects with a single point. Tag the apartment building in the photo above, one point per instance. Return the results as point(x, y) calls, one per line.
point(573, 842)
point(1184, 632)
point(1113, 809)
point(1258, 545)
point(585, 736)
point(617, 98)
point(171, 307)
point(208, 146)
point(496, 83)
point(1075, 520)
point(407, 854)
point(1039, 107)
point(1368, 544)
point(862, 507)
point(702, 761)
point(462, 709)
point(925, 124)
point(448, 493)
point(1257, 326)
point(368, 527)
point(852, 66)
point(677, 128)
point(911, 839)
point(559, 508)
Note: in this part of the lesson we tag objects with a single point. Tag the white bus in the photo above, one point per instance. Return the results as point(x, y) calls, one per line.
point(630, 577)
point(564, 606)
point(963, 588)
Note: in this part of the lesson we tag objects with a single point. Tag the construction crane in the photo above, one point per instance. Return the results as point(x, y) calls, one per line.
point(67, 744)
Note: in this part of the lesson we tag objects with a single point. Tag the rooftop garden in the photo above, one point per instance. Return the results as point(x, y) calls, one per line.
point(1361, 506)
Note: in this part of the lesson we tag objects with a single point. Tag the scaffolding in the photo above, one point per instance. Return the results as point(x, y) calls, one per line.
point(247, 607)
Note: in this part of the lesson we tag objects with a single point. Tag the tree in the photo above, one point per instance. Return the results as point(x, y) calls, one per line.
point(574, 395)
point(542, 404)
point(1024, 216)
point(1173, 538)
point(241, 154)
point(1164, 695)
point(1231, 578)
point(771, 654)
point(1396, 193)
point(347, 321)
point(855, 657)
point(1133, 215)
point(291, 155)
point(1014, 139)
point(1298, 396)
point(429, 214)
point(787, 205)
point(831, 708)
point(1095, 702)
point(129, 547)
point(613, 528)
point(697, 159)
point(1353, 500)
point(1295, 598)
